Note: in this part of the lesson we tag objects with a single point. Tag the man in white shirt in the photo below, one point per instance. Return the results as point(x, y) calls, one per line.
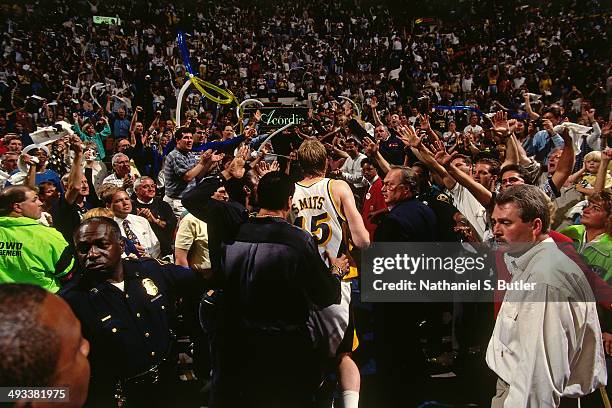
point(351, 169)
point(136, 228)
point(474, 128)
point(467, 83)
point(121, 176)
point(546, 345)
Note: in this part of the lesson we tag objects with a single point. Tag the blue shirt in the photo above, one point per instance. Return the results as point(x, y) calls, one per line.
point(121, 128)
point(47, 175)
point(177, 164)
point(542, 144)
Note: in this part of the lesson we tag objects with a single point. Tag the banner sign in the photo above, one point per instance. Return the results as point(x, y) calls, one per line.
point(274, 117)
point(106, 20)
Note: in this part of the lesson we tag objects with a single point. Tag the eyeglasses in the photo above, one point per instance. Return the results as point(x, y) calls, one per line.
point(392, 186)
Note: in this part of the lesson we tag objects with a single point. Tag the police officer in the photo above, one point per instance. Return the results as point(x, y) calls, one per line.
point(126, 309)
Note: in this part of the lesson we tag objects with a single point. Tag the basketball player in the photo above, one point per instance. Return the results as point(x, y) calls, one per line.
point(325, 207)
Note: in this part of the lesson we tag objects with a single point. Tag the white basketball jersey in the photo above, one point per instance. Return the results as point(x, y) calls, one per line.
point(317, 213)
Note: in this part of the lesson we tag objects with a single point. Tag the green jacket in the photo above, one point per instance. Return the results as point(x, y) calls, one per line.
point(598, 252)
point(97, 138)
point(32, 253)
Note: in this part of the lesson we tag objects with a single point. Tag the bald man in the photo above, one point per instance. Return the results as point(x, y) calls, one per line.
point(41, 344)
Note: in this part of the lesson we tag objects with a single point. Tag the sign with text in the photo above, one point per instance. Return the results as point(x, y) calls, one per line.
point(106, 20)
point(275, 117)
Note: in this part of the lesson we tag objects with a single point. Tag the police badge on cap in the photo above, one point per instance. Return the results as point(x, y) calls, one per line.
point(150, 287)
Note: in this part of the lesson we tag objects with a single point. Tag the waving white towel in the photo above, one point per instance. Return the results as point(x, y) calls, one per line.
point(576, 131)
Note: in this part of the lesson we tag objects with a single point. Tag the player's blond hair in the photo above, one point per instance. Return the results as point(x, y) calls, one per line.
point(312, 156)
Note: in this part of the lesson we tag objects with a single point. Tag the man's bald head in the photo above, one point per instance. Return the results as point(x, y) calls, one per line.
point(41, 343)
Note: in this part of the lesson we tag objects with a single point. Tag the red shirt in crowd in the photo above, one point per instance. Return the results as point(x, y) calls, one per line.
point(374, 201)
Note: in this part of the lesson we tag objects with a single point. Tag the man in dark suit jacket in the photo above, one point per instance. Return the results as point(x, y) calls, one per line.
point(408, 220)
point(400, 360)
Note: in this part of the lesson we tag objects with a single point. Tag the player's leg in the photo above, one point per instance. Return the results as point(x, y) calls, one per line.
point(349, 380)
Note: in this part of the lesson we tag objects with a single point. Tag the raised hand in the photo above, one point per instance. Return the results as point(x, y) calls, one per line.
point(442, 156)
point(566, 137)
point(607, 129)
point(75, 144)
point(373, 103)
point(369, 147)
point(209, 155)
point(424, 121)
point(250, 132)
point(236, 167)
point(512, 125)
point(29, 160)
point(590, 114)
point(265, 168)
point(244, 152)
point(501, 127)
point(217, 157)
point(409, 137)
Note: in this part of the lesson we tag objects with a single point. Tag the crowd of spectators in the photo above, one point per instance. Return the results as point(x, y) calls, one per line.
point(474, 97)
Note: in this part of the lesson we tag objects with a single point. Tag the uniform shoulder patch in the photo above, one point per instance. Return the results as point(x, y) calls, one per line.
point(443, 197)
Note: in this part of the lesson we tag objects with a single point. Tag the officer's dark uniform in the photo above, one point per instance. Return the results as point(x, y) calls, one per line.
point(442, 206)
point(131, 332)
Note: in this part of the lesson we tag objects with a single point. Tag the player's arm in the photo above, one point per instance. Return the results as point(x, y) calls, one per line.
point(342, 194)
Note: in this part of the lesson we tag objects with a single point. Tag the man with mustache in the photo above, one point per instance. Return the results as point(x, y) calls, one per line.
point(546, 345)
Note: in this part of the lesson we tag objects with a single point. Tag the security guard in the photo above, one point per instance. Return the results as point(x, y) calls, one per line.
point(451, 225)
point(126, 309)
point(22, 257)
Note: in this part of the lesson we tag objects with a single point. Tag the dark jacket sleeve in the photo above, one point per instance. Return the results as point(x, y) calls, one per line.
point(221, 146)
point(322, 288)
point(183, 280)
point(223, 219)
point(167, 215)
point(199, 202)
point(392, 230)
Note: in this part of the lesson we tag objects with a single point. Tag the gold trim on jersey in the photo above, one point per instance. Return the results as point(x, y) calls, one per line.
point(309, 185)
point(329, 235)
point(331, 197)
